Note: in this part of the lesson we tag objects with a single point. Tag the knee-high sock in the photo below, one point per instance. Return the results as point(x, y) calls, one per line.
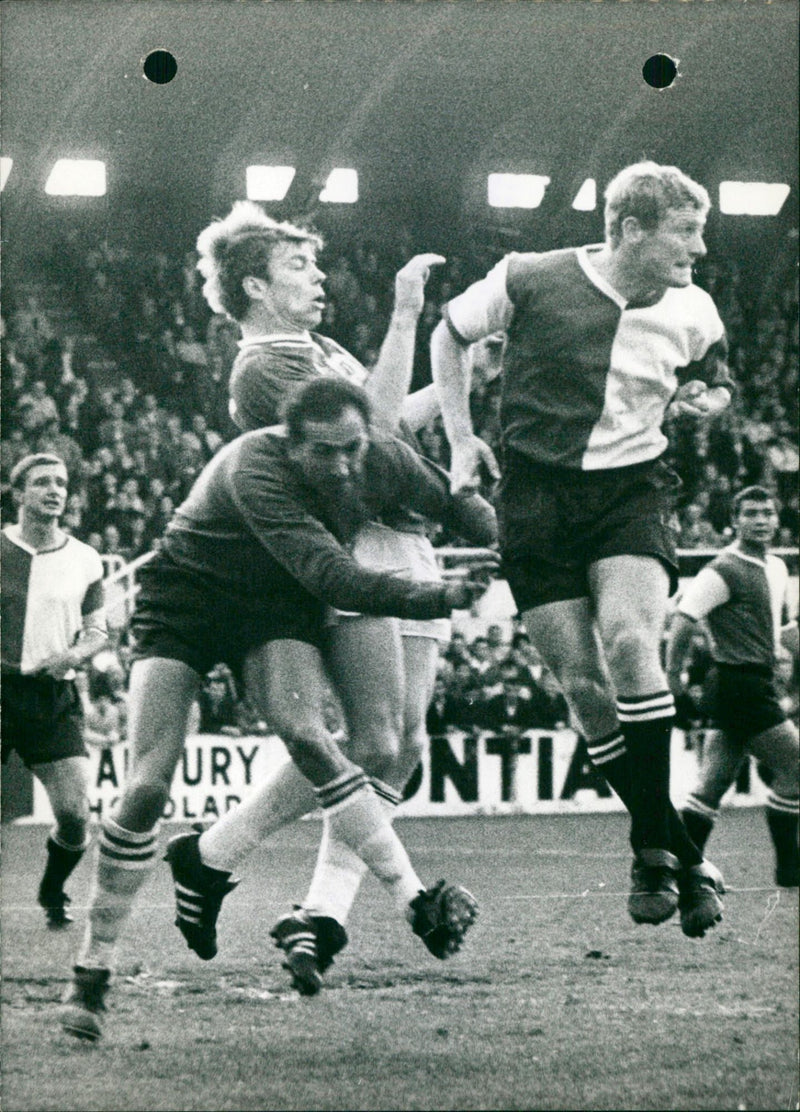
point(284, 797)
point(699, 818)
point(354, 815)
point(610, 755)
point(646, 722)
point(782, 814)
point(61, 860)
point(339, 870)
point(124, 862)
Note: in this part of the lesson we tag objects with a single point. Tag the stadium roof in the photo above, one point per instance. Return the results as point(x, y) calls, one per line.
point(424, 99)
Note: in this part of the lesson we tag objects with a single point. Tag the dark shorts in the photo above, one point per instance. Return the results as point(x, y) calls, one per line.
point(42, 719)
point(555, 523)
point(743, 700)
point(183, 615)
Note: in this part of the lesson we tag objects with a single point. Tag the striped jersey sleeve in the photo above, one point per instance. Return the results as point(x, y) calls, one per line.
point(483, 308)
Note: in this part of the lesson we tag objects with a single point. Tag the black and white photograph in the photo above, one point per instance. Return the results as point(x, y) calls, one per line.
point(399, 555)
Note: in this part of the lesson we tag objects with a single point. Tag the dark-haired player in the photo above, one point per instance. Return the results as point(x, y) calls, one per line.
point(244, 575)
point(264, 275)
point(53, 621)
point(743, 597)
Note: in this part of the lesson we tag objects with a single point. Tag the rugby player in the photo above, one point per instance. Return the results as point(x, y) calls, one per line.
point(264, 275)
point(243, 576)
point(53, 621)
point(743, 597)
point(601, 339)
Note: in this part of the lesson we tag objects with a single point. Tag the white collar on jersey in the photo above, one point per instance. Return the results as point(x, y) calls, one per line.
point(271, 337)
point(595, 277)
point(14, 534)
point(734, 551)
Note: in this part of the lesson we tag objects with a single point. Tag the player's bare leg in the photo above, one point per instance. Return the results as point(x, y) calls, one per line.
point(160, 699)
point(778, 749)
point(67, 785)
point(630, 596)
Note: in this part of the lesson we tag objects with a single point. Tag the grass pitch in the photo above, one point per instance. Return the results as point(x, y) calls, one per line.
point(558, 1001)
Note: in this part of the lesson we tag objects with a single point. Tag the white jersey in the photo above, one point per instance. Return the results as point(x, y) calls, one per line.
point(45, 597)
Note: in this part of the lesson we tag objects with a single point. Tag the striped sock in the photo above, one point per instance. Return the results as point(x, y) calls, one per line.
point(782, 816)
point(124, 861)
point(610, 756)
point(354, 815)
point(646, 722)
point(699, 818)
point(339, 871)
point(282, 798)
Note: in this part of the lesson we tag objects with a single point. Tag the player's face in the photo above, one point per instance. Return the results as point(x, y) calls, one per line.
point(667, 254)
point(45, 492)
point(331, 453)
point(294, 293)
point(756, 522)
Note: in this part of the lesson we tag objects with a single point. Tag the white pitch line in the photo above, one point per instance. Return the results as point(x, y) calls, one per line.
point(498, 899)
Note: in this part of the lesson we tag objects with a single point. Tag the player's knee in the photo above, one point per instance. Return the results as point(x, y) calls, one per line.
point(71, 826)
point(629, 651)
point(585, 694)
point(785, 781)
point(378, 748)
point(381, 731)
point(312, 748)
point(142, 805)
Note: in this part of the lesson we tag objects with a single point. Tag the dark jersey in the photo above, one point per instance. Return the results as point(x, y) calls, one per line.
point(587, 376)
point(744, 602)
point(251, 524)
point(268, 368)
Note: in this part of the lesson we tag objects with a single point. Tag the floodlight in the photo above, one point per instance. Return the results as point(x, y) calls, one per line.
point(77, 177)
point(752, 198)
point(341, 187)
point(586, 197)
point(268, 183)
point(516, 190)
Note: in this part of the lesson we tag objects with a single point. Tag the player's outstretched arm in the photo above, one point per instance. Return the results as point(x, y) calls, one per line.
point(389, 382)
point(450, 365)
point(681, 632)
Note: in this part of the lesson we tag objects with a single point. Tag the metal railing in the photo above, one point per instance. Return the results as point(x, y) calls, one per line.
point(121, 587)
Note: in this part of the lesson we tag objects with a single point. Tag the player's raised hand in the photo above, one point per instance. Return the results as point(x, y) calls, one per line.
point(463, 593)
point(409, 284)
point(696, 399)
point(470, 460)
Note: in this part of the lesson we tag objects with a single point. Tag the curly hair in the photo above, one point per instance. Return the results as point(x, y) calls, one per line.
point(239, 246)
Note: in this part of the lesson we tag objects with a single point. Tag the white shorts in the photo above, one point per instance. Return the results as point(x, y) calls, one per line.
point(411, 555)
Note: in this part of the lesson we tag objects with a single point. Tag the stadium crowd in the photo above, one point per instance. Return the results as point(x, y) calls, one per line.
point(113, 360)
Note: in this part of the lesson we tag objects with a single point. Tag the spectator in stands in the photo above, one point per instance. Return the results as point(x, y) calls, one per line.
point(36, 407)
point(102, 694)
point(209, 441)
point(481, 654)
point(50, 439)
point(696, 531)
point(445, 711)
point(508, 705)
point(219, 704)
point(112, 543)
point(498, 646)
